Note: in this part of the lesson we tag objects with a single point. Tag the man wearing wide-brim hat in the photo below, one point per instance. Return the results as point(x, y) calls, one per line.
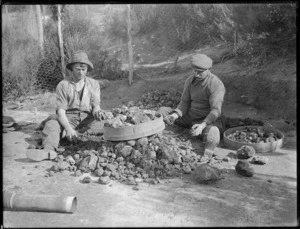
point(78, 104)
point(200, 105)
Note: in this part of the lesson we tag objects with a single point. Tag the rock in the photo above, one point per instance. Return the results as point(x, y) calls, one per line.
point(131, 142)
point(107, 173)
point(60, 158)
point(99, 172)
point(111, 167)
point(104, 180)
point(78, 173)
point(261, 160)
point(142, 142)
point(87, 179)
point(226, 159)
point(89, 163)
point(187, 169)
point(93, 162)
point(31, 146)
point(131, 181)
point(151, 155)
point(151, 174)
point(70, 159)
point(62, 165)
point(245, 152)
point(126, 151)
point(102, 159)
point(145, 175)
point(84, 164)
point(207, 174)
point(138, 180)
point(119, 159)
point(243, 168)
point(76, 157)
point(169, 155)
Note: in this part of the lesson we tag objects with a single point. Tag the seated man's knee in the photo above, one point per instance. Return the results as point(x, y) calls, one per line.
point(52, 125)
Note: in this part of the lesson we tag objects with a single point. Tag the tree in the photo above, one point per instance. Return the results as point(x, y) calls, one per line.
point(41, 31)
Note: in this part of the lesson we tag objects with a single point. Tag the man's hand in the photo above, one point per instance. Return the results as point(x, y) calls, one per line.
point(98, 114)
point(198, 128)
point(71, 135)
point(170, 119)
point(164, 111)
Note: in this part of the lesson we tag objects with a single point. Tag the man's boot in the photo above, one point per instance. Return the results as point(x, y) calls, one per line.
point(211, 138)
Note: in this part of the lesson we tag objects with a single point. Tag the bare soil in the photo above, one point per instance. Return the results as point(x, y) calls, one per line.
point(267, 199)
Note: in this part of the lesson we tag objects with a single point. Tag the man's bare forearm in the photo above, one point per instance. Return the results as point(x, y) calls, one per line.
point(63, 120)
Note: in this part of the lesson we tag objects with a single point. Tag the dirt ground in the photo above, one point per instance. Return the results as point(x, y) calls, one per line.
point(267, 199)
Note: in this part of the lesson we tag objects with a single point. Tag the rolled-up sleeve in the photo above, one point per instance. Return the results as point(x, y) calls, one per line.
point(185, 101)
point(61, 97)
point(95, 95)
point(216, 102)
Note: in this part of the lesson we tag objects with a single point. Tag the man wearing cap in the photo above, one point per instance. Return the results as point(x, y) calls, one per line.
point(200, 105)
point(77, 105)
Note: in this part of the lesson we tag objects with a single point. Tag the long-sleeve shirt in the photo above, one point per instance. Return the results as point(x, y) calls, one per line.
point(68, 98)
point(202, 101)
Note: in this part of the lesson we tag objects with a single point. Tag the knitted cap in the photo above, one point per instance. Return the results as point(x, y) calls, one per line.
point(201, 61)
point(80, 57)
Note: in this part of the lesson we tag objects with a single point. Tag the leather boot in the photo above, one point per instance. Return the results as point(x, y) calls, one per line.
point(211, 138)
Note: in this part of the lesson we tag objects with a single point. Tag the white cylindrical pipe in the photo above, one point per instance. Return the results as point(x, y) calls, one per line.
point(49, 203)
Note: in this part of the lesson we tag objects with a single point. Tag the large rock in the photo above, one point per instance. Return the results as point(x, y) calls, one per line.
point(89, 163)
point(245, 152)
point(243, 168)
point(207, 174)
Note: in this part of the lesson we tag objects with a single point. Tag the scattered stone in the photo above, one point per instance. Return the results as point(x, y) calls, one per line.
point(243, 168)
point(126, 151)
point(138, 180)
point(131, 142)
point(78, 173)
point(135, 188)
point(70, 159)
point(261, 160)
point(207, 174)
point(104, 180)
point(226, 159)
point(60, 157)
point(89, 163)
point(87, 179)
point(31, 146)
point(62, 165)
point(99, 172)
point(270, 181)
point(55, 168)
point(187, 169)
point(245, 152)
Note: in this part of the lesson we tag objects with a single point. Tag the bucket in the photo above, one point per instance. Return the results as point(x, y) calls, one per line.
point(47, 203)
point(135, 131)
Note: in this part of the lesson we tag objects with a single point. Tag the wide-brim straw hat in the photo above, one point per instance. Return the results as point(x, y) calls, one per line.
point(80, 57)
point(201, 62)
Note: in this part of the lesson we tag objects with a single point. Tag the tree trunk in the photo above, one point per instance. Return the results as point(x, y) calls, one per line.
point(60, 37)
point(41, 31)
point(130, 52)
